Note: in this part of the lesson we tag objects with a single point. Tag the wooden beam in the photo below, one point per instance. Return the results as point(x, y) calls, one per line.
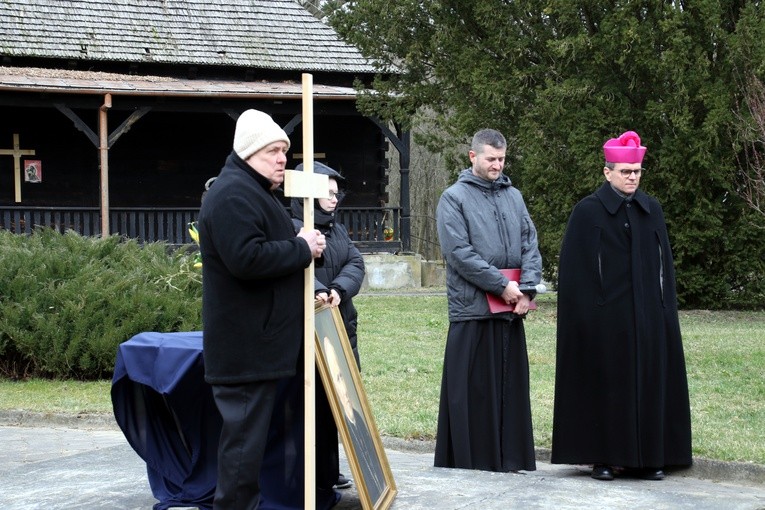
point(78, 123)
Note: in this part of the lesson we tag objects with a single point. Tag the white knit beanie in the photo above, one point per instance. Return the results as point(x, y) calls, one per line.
point(255, 130)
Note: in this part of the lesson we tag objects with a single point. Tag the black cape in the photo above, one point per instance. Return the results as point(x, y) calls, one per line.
point(621, 394)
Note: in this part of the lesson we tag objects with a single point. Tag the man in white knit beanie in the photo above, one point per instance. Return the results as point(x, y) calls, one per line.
point(252, 302)
point(254, 131)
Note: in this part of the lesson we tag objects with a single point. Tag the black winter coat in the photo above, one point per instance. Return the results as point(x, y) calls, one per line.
point(252, 284)
point(341, 266)
point(621, 394)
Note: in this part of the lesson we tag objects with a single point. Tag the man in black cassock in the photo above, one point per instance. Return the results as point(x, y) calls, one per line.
point(621, 393)
point(484, 415)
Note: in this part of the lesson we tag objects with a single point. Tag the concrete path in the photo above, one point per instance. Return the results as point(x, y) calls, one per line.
point(55, 466)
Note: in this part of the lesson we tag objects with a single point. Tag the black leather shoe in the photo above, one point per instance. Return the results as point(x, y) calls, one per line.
point(342, 482)
point(652, 474)
point(602, 472)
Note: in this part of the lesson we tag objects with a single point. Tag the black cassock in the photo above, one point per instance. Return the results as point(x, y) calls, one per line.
point(484, 419)
point(621, 393)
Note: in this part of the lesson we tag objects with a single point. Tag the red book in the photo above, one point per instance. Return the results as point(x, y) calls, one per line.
point(496, 303)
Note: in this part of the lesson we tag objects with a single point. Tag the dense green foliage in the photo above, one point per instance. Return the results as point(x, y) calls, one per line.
point(558, 78)
point(67, 301)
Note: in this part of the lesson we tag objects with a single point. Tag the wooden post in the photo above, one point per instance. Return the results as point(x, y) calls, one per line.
point(308, 185)
point(103, 151)
point(310, 355)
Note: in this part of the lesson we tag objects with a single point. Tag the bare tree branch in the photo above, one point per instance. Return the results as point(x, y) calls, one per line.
point(751, 158)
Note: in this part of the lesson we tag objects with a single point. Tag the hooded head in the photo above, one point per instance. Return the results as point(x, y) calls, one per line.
point(321, 168)
point(323, 216)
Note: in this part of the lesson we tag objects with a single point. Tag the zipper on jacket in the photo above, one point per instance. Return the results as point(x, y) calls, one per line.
point(499, 217)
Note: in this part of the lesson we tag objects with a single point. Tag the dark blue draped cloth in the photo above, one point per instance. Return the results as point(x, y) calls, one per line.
point(168, 415)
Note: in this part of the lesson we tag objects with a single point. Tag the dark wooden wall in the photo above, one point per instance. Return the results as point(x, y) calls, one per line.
point(166, 157)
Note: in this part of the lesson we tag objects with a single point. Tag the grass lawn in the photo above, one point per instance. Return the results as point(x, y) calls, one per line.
point(401, 342)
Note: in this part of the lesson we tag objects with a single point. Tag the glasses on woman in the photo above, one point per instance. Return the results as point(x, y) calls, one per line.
point(336, 194)
point(626, 173)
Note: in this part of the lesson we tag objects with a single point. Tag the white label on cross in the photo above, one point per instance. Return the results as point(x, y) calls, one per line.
point(305, 184)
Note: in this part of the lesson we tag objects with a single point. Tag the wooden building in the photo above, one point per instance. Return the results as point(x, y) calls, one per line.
point(114, 114)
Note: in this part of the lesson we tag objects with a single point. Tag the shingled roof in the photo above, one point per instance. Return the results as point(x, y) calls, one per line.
point(261, 34)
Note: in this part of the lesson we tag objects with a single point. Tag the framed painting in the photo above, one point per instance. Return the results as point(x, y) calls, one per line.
point(353, 416)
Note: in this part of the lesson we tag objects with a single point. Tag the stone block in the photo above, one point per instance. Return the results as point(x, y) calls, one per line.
point(390, 271)
point(433, 273)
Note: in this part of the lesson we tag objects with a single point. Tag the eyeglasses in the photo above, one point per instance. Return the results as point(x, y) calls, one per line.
point(626, 173)
point(338, 195)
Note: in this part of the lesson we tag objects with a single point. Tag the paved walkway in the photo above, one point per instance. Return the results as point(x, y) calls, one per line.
point(89, 465)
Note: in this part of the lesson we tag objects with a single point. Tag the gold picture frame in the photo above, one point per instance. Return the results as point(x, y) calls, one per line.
point(350, 408)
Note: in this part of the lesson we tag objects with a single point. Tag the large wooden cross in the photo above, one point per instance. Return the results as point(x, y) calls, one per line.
point(17, 153)
point(309, 186)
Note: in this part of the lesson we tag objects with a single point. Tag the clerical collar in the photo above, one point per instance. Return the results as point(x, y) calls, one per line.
point(621, 194)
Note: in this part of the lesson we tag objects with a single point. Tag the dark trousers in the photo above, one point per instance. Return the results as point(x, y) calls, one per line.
point(246, 410)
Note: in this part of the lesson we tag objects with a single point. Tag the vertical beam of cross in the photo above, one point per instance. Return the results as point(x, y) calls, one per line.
point(309, 186)
point(16, 152)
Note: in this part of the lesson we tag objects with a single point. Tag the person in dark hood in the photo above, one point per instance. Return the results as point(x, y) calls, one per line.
point(484, 417)
point(621, 394)
point(338, 279)
point(340, 273)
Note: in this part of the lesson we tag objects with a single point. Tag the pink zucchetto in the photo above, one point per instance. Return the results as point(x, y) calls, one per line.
point(625, 149)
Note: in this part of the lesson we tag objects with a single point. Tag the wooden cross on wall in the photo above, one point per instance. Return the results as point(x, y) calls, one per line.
point(17, 153)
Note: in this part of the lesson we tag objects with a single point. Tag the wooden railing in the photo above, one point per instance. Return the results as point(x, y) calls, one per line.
point(153, 224)
point(22, 220)
point(149, 224)
point(146, 224)
point(366, 225)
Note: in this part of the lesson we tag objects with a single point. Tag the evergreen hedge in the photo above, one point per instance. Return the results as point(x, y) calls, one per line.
point(559, 79)
point(67, 301)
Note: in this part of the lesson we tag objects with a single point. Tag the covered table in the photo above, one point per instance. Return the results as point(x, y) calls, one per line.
point(167, 413)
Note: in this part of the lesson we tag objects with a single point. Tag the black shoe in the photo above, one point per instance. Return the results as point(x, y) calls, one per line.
point(652, 474)
point(342, 482)
point(602, 472)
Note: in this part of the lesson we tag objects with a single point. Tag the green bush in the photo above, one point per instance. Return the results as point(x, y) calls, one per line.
point(67, 301)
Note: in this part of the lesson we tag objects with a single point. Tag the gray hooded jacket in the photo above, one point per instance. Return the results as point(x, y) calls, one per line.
point(484, 227)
